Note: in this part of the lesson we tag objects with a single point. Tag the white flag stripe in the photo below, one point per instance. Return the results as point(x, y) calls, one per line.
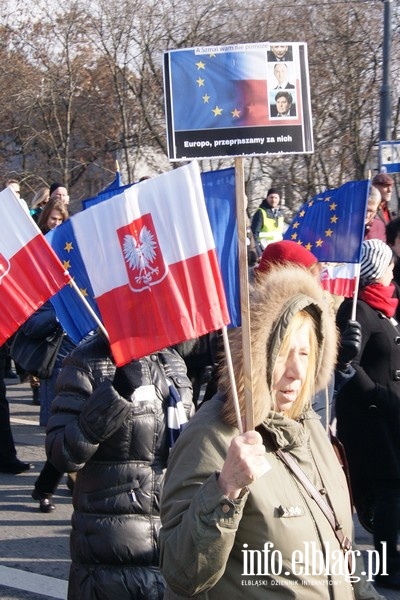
point(176, 416)
point(17, 228)
point(172, 199)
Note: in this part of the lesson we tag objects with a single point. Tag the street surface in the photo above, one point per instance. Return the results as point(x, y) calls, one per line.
point(34, 547)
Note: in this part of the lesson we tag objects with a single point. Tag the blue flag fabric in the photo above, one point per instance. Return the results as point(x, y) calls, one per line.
point(331, 225)
point(220, 197)
point(74, 317)
point(115, 187)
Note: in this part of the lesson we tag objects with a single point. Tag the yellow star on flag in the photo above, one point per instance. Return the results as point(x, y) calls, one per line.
point(200, 82)
point(217, 111)
point(68, 246)
point(206, 98)
point(200, 65)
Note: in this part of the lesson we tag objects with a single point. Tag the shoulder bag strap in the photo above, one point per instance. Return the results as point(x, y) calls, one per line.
point(344, 541)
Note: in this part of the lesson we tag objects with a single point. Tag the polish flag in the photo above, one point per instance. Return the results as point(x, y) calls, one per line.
point(30, 272)
point(150, 256)
point(340, 278)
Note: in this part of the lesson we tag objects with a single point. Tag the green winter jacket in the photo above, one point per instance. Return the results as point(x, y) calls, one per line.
point(274, 542)
point(214, 548)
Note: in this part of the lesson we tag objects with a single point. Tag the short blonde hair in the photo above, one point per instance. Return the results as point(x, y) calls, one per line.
point(303, 401)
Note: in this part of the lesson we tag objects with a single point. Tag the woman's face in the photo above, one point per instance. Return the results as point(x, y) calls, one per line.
point(290, 371)
point(55, 219)
point(387, 277)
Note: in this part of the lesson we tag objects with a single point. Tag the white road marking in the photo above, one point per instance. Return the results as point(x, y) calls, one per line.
point(32, 582)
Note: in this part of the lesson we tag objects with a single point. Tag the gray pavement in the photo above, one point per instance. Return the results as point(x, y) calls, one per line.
point(34, 547)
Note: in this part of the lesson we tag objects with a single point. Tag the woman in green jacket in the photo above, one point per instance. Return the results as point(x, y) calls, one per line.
point(236, 521)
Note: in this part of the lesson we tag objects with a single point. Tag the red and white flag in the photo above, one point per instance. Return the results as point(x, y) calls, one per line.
point(340, 278)
point(30, 272)
point(150, 256)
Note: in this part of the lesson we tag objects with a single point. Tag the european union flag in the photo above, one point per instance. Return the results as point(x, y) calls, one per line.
point(73, 315)
point(331, 225)
point(227, 89)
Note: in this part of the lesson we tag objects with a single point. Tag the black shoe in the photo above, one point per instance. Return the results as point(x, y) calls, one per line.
point(15, 467)
point(45, 501)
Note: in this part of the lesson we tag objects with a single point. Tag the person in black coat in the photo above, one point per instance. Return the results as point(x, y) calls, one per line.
point(9, 462)
point(110, 425)
point(368, 406)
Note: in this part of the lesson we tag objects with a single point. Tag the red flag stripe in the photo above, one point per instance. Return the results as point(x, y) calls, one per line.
point(35, 274)
point(187, 311)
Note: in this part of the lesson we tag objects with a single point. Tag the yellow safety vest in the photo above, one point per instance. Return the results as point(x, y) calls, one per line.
point(272, 229)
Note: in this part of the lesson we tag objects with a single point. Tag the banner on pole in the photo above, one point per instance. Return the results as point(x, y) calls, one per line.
point(237, 100)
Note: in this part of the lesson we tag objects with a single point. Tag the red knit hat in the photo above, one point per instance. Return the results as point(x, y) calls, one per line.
point(285, 251)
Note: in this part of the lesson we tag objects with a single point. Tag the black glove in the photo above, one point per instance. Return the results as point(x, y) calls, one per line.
point(128, 378)
point(350, 342)
point(103, 413)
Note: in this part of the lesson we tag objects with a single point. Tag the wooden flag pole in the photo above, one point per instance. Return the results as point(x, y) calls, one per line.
point(244, 293)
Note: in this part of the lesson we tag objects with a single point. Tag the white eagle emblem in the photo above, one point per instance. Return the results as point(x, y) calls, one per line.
point(140, 253)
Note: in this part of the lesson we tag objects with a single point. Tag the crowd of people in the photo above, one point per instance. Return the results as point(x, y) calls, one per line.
point(221, 503)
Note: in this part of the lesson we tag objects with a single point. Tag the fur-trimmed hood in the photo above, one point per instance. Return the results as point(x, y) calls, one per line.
point(274, 300)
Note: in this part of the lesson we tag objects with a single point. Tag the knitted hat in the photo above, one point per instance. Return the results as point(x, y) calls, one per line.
point(273, 191)
point(382, 179)
point(285, 251)
point(376, 256)
point(55, 186)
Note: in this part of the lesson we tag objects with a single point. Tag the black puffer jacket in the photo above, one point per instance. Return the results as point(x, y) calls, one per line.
point(120, 449)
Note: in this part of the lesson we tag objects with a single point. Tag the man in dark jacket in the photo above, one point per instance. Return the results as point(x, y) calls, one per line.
point(110, 424)
point(267, 223)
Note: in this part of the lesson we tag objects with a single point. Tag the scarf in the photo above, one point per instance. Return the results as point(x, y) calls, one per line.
point(380, 298)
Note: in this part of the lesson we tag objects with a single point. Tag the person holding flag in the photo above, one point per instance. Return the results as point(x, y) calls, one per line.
point(235, 498)
point(114, 426)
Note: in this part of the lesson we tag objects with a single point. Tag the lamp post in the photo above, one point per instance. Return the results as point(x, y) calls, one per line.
point(385, 123)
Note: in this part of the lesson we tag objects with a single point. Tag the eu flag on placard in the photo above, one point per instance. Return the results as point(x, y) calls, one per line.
point(72, 313)
point(227, 89)
point(331, 225)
